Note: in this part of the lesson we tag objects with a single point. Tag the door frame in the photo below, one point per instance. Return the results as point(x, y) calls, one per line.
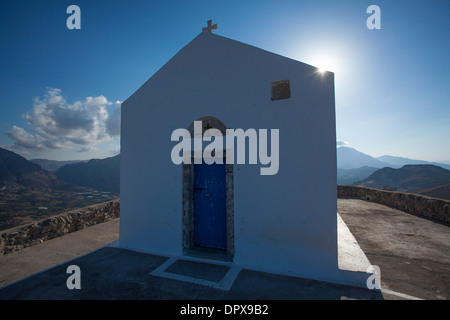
point(188, 197)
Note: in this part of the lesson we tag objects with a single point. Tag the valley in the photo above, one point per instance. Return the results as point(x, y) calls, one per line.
point(21, 205)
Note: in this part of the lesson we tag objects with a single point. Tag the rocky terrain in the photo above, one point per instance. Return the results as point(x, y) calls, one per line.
point(28, 192)
point(100, 174)
point(409, 178)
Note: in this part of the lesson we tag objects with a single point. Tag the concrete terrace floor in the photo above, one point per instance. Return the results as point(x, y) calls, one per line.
point(411, 252)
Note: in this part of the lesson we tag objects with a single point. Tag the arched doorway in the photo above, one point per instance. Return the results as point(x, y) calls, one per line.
point(208, 202)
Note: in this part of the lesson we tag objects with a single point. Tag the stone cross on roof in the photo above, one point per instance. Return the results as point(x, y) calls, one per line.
point(210, 27)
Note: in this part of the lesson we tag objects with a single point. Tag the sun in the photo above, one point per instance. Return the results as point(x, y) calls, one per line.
point(325, 63)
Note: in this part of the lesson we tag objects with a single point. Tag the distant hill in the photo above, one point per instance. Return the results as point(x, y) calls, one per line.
point(52, 165)
point(349, 158)
point(442, 191)
point(349, 176)
point(100, 174)
point(398, 162)
point(409, 178)
point(15, 170)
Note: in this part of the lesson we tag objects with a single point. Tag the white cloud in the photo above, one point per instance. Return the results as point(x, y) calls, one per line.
point(87, 149)
point(57, 124)
point(25, 139)
point(113, 122)
point(341, 143)
point(115, 151)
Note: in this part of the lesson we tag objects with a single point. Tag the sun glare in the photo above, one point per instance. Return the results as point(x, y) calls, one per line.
point(324, 64)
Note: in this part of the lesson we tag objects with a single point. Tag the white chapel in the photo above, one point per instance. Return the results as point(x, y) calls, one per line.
point(284, 222)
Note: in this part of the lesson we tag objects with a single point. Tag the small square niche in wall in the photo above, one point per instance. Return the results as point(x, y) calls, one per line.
point(281, 90)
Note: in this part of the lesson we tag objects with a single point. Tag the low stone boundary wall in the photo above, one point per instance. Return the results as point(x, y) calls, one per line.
point(56, 226)
point(428, 207)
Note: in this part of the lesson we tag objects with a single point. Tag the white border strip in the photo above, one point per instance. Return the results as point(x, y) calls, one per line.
point(225, 284)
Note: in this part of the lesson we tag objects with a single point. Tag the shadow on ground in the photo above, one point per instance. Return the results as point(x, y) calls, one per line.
point(114, 273)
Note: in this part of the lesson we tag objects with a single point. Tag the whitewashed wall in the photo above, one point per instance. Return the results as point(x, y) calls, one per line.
point(285, 223)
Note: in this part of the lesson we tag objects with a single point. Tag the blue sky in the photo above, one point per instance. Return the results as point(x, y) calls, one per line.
point(61, 89)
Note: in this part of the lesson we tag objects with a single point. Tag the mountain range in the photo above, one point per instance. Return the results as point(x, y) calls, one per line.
point(409, 178)
point(15, 170)
point(100, 174)
point(350, 176)
point(350, 158)
point(440, 191)
point(29, 193)
point(400, 161)
point(353, 168)
point(53, 165)
point(393, 173)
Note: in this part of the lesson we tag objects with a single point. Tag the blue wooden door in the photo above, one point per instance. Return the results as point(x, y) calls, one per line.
point(210, 206)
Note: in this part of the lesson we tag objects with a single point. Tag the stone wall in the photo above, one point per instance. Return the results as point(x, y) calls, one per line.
point(24, 236)
point(59, 225)
point(428, 207)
